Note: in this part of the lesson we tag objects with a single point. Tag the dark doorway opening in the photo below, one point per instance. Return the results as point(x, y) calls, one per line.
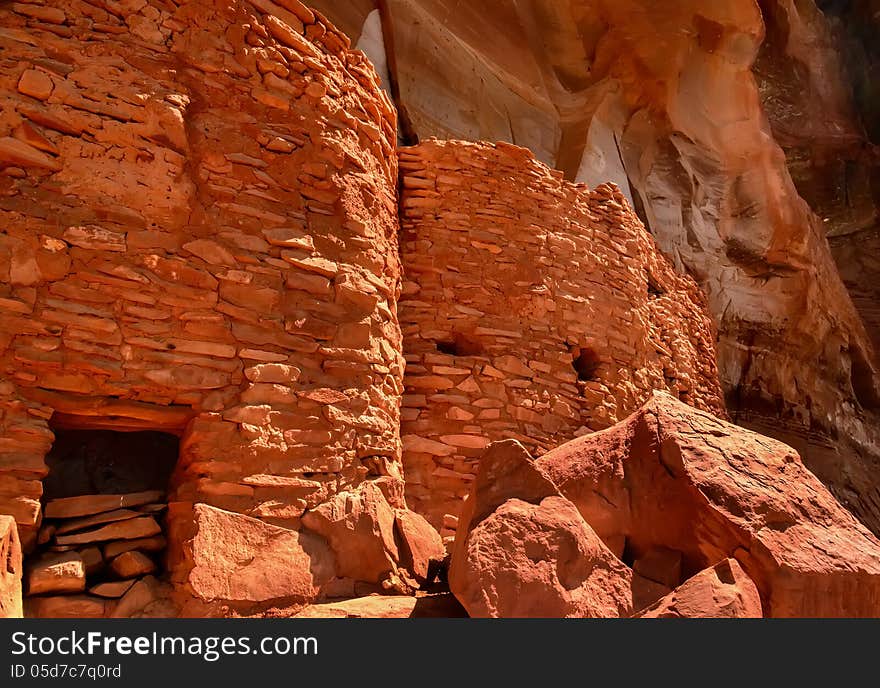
point(85, 462)
point(103, 528)
point(586, 364)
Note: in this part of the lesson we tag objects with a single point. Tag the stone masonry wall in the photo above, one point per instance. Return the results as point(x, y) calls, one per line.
point(533, 309)
point(198, 233)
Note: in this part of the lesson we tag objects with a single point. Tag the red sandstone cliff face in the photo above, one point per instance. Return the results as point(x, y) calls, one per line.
point(718, 120)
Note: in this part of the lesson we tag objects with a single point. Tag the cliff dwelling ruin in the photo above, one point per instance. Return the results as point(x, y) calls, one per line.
point(253, 350)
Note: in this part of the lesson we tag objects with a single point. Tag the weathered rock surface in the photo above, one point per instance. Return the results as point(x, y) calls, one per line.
point(238, 559)
point(718, 120)
point(372, 607)
point(531, 555)
point(359, 525)
point(721, 592)
point(11, 572)
point(677, 478)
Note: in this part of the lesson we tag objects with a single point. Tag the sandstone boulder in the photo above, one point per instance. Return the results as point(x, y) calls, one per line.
point(359, 525)
point(234, 558)
point(421, 548)
point(10, 574)
point(676, 478)
point(522, 550)
point(723, 591)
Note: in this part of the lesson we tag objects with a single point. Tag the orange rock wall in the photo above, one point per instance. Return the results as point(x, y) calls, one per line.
point(199, 234)
point(533, 309)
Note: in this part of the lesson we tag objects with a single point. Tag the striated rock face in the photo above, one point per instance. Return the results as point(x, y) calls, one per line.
point(676, 478)
point(532, 309)
point(730, 126)
point(531, 555)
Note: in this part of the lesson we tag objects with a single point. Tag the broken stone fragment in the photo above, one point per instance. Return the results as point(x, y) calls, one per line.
point(142, 593)
point(60, 573)
point(92, 560)
point(421, 550)
point(95, 238)
point(112, 589)
point(359, 525)
point(15, 152)
point(232, 557)
point(523, 550)
point(370, 607)
point(35, 83)
point(132, 564)
point(150, 544)
point(539, 560)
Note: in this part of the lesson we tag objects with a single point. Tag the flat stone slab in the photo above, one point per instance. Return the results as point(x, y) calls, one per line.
point(97, 519)
point(144, 526)
point(67, 607)
point(113, 589)
point(86, 505)
point(149, 544)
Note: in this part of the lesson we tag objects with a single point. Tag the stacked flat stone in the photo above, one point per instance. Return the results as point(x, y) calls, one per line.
point(533, 309)
point(92, 550)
